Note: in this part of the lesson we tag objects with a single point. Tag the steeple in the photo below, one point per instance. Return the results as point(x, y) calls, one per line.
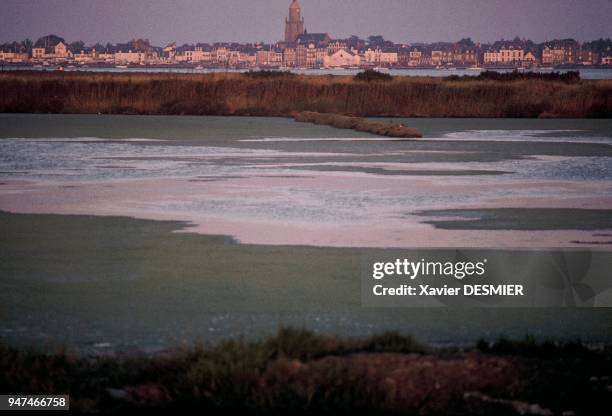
point(294, 24)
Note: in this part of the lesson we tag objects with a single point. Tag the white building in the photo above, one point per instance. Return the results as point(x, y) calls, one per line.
point(130, 57)
point(196, 55)
point(61, 50)
point(529, 59)
point(38, 53)
point(505, 56)
point(379, 56)
point(86, 56)
point(13, 57)
point(220, 54)
point(271, 57)
point(341, 58)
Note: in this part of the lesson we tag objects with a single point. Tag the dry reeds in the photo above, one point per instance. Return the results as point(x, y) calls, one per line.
point(242, 94)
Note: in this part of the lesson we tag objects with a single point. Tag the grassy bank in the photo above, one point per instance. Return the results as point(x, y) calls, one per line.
point(305, 373)
point(285, 94)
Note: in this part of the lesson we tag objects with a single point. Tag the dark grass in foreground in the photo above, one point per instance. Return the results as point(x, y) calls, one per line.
point(282, 94)
point(304, 373)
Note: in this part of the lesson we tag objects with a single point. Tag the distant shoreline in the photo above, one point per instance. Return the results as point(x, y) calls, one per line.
point(10, 66)
point(285, 94)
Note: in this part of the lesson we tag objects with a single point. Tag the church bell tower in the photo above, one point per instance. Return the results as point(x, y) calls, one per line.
point(294, 24)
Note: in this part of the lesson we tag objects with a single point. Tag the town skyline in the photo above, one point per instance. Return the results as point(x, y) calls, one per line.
point(407, 21)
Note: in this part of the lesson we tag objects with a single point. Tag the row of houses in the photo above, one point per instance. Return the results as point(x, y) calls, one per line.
point(313, 50)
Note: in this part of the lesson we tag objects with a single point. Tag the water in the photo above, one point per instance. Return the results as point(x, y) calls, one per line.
point(256, 179)
point(585, 73)
point(202, 228)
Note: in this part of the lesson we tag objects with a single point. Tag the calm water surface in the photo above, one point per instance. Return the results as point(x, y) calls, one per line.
point(98, 282)
point(585, 73)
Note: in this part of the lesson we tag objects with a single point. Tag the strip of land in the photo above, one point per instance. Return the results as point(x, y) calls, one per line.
point(285, 94)
point(531, 219)
point(379, 128)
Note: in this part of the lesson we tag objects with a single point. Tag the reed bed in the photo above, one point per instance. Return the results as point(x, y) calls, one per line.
point(286, 94)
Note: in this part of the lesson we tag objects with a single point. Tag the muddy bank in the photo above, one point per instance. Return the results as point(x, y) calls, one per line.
point(338, 121)
point(285, 94)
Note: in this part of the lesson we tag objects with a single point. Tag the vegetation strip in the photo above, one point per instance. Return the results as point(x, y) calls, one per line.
point(297, 370)
point(338, 121)
point(282, 94)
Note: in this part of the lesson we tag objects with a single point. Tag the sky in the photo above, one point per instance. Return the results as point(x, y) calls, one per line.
point(403, 21)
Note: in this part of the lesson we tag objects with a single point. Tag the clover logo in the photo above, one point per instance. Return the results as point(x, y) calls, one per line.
point(565, 272)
